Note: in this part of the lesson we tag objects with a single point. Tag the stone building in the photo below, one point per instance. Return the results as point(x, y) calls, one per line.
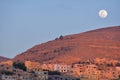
point(63, 68)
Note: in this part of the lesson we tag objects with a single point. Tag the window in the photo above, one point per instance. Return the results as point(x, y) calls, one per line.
point(45, 72)
point(66, 79)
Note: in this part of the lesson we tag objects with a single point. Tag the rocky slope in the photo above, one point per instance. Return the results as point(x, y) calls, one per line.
point(102, 43)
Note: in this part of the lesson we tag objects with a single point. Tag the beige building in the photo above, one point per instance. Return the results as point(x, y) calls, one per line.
point(48, 67)
point(5, 67)
point(77, 69)
point(32, 66)
point(8, 62)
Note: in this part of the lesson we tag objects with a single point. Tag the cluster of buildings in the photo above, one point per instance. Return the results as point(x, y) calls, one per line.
point(98, 69)
point(35, 71)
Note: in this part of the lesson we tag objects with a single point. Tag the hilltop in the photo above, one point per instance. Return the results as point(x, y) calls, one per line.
point(99, 43)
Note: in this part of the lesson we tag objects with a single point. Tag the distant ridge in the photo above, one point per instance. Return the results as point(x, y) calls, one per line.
point(99, 43)
point(3, 58)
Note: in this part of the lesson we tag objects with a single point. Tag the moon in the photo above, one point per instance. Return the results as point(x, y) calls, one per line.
point(103, 13)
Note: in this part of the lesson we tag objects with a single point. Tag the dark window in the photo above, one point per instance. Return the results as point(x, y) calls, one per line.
point(66, 79)
point(45, 72)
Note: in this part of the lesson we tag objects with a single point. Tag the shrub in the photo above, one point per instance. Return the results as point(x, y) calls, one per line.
point(20, 66)
point(54, 73)
point(61, 37)
point(7, 73)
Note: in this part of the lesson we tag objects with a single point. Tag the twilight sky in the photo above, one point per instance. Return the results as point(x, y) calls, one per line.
point(25, 23)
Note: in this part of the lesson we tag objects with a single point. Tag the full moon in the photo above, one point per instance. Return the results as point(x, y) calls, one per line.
point(103, 13)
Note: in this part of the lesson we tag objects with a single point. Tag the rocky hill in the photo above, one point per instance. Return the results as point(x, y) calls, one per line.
point(101, 43)
point(3, 58)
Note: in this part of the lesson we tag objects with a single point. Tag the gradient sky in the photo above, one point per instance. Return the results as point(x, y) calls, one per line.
point(25, 23)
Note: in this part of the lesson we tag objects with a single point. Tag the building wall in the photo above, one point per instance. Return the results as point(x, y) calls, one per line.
point(61, 67)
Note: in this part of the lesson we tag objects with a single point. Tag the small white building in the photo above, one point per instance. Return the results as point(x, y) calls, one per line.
point(61, 68)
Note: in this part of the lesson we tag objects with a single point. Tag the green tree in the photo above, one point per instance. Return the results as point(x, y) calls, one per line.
point(20, 66)
point(54, 73)
point(61, 37)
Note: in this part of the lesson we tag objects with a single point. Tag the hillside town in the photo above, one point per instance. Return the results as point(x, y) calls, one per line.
point(97, 69)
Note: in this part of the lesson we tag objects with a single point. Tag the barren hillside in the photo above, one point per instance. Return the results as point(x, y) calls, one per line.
point(100, 43)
